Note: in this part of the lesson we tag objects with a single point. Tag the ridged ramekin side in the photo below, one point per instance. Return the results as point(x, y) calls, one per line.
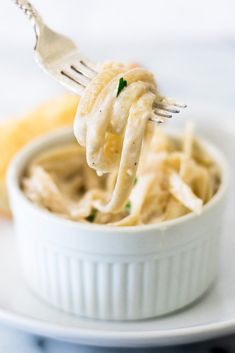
point(126, 288)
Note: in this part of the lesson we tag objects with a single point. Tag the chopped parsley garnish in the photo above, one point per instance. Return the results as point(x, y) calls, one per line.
point(92, 215)
point(128, 206)
point(135, 181)
point(121, 85)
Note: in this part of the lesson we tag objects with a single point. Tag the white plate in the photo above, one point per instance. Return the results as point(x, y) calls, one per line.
point(212, 316)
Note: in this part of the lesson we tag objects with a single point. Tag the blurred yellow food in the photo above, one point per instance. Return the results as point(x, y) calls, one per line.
point(15, 133)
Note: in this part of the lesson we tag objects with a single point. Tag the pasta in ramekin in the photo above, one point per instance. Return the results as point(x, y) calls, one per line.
point(175, 176)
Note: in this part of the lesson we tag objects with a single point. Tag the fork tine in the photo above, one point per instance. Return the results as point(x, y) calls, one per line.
point(64, 73)
point(78, 75)
point(171, 102)
point(179, 105)
point(166, 108)
point(71, 83)
point(162, 113)
point(74, 72)
point(157, 119)
point(83, 70)
point(89, 65)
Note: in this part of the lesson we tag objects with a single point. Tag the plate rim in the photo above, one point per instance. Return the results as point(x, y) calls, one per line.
point(112, 338)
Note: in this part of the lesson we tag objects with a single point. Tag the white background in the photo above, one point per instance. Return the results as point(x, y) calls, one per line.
point(91, 20)
point(190, 45)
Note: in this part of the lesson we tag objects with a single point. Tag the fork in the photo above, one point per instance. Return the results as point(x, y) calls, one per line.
point(59, 56)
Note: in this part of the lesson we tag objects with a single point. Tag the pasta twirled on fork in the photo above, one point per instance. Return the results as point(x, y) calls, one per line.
point(111, 126)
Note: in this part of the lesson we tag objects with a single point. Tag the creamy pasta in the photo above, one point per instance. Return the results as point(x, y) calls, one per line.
point(175, 176)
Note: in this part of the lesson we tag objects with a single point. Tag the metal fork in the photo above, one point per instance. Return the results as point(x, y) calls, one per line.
point(60, 57)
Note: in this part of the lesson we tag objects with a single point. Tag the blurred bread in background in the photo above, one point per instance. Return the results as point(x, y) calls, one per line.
point(16, 133)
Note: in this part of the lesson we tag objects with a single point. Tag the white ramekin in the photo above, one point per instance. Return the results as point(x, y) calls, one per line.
point(111, 273)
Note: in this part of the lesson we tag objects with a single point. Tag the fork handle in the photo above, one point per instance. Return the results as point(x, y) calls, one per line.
point(30, 11)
